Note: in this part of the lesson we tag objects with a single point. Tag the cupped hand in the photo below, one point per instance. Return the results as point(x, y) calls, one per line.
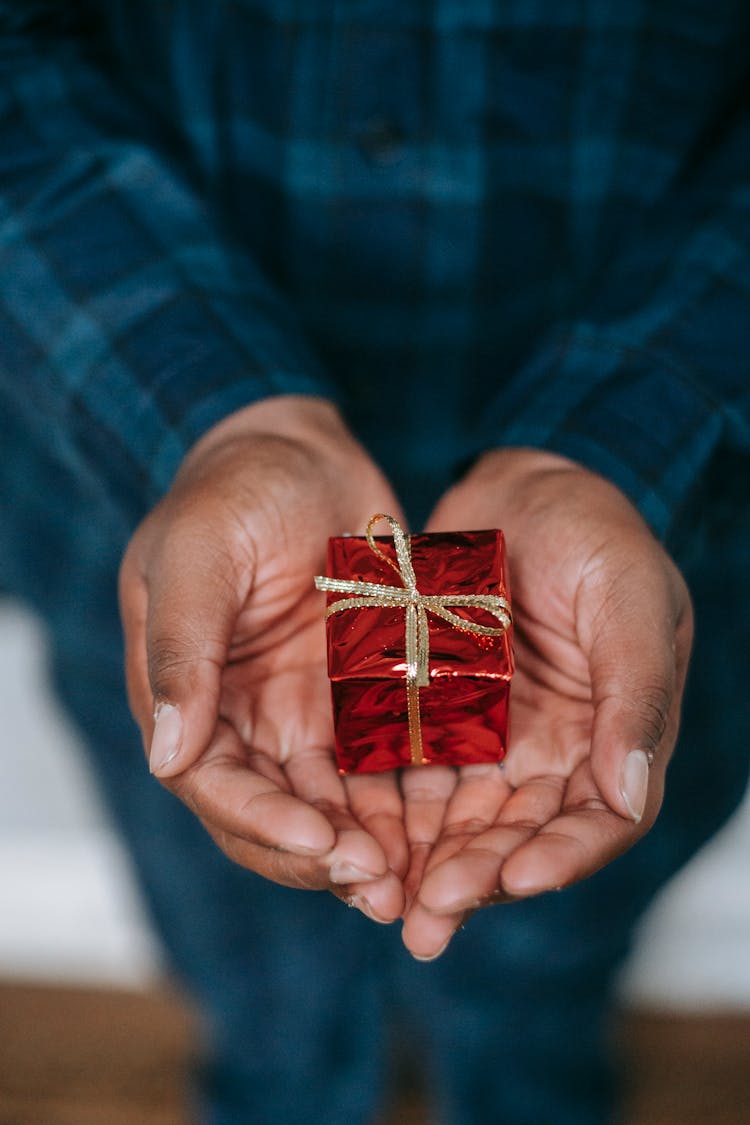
point(603, 629)
point(225, 651)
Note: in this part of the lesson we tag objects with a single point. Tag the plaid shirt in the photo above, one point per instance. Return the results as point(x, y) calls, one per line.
point(470, 223)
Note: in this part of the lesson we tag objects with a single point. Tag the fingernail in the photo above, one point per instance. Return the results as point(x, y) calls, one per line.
point(363, 905)
point(432, 956)
point(341, 872)
point(167, 739)
point(634, 783)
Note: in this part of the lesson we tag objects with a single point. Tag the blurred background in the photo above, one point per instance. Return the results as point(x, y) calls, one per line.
point(81, 972)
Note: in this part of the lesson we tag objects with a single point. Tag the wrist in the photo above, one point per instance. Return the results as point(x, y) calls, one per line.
point(307, 419)
point(295, 447)
point(519, 462)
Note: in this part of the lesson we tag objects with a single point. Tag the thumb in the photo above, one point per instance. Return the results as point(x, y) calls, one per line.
point(638, 659)
point(179, 615)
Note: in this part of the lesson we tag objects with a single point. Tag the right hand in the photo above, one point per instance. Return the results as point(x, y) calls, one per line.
point(225, 646)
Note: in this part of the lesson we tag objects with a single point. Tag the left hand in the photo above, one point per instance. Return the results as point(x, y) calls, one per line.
point(603, 630)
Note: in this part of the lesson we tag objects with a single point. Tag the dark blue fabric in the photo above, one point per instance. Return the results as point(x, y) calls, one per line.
point(524, 222)
point(531, 221)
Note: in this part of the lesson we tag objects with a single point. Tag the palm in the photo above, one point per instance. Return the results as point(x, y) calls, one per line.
point(552, 713)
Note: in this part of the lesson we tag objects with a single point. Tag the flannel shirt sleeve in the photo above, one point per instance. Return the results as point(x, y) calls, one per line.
point(649, 383)
point(127, 325)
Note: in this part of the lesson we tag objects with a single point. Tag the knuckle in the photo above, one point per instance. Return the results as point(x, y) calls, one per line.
point(467, 826)
point(187, 657)
point(523, 824)
point(166, 659)
point(654, 702)
point(330, 808)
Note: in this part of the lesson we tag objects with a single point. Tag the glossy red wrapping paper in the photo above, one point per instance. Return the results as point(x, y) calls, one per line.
point(464, 709)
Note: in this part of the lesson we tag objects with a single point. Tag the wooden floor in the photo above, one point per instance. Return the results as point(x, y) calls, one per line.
point(85, 1057)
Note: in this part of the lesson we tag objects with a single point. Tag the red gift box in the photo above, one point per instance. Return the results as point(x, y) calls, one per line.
point(419, 648)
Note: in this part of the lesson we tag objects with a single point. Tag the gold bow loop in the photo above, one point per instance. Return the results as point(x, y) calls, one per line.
point(366, 595)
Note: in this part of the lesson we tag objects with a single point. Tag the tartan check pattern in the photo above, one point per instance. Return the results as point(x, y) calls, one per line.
point(526, 221)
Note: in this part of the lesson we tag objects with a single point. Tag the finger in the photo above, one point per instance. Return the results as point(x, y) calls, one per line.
point(369, 831)
point(382, 900)
point(464, 868)
point(465, 879)
point(245, 803)
point(426, 792)
point(195, 591)
point(474, 805)
point(289, 869)
point(583, 837)
point(375, 800)
point(639, 646)
point(359, 870)
point(479, 795)
point(569, 849)
point(357, 855)
point(236, 800)
point(427, 935)
point(291, 723)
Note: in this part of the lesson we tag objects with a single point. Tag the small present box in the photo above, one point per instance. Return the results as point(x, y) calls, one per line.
point(419, 648)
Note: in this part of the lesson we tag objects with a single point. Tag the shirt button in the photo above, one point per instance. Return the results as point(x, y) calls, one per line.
point(381, 142)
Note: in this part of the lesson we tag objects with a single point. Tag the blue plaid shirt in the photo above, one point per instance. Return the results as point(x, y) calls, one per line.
point(471, 223)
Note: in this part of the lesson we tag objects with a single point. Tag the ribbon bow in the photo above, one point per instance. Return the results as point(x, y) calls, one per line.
point(417, 606)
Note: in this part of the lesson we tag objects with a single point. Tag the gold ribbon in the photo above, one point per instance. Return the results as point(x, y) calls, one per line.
point(369, 594)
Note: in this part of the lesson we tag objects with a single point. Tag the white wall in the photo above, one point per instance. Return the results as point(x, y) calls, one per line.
point(69, 909)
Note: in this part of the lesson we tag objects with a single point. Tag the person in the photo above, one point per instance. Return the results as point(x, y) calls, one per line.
point(269, 268)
